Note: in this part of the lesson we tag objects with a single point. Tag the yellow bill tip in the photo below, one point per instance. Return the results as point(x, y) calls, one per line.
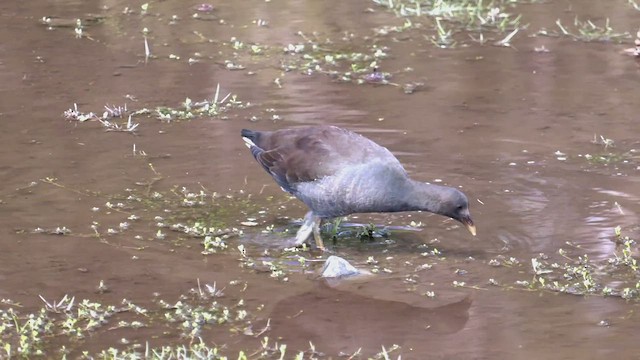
point(472, 229)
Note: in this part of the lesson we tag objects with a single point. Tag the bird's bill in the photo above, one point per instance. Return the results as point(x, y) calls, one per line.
point(471, 228)
point(469, 224)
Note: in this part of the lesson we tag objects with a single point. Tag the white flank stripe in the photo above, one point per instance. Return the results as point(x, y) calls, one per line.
point(248, 142)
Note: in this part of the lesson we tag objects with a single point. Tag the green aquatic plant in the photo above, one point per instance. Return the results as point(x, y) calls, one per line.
point(589, 31)
point(442, 38)
point(625, 258)
point(617, 276)
point(65, 325)
point(449, 17)
point(189, 109)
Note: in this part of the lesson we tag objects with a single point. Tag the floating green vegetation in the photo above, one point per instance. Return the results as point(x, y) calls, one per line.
point(610, 155)
point(311, 55)
point(279, 266)
point(344, 60)
point(78, 24)
point(212, 108)
point(344, 63)
point(617, 276)
point(189, 109)
point(61, 327)
point(587, 31)
point(201, 350)
point(189, 214)
point(199, 214)
point(454, 16)
point(268, 350)
point(337, 229)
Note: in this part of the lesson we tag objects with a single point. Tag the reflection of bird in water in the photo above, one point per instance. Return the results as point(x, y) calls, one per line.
point(341, 321)
point(336, 172)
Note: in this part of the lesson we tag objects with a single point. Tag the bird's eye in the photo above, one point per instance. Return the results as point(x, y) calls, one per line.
point(459, 207)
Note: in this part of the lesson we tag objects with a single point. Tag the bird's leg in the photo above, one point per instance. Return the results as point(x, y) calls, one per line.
point(316, 234)
point(305, 229)
point(310, 224)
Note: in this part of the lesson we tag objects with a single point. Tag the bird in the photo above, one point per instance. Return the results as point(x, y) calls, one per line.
point(336, 172)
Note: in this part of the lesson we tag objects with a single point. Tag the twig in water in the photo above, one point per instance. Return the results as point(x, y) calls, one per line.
point(265, 329)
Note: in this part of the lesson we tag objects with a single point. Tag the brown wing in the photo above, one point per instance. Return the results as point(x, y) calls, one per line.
point(309, 153)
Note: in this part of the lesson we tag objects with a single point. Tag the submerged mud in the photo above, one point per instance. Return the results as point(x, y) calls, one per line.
point(541, 134)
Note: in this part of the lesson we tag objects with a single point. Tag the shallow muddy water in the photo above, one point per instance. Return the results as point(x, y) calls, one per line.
point(541, 135)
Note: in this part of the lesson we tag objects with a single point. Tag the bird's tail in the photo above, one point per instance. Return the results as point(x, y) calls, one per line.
point(250, 137)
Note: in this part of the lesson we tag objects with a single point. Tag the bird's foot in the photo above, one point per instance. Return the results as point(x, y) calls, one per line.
point(310, 225)
point(308, 246)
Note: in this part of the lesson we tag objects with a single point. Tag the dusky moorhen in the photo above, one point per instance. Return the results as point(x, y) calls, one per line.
point(337, 172)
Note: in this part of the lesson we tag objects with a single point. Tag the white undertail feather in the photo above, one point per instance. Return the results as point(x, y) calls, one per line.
point(248, 142)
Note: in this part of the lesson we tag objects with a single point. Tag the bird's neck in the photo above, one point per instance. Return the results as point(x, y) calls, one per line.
point(421, 196)
point(408, 195)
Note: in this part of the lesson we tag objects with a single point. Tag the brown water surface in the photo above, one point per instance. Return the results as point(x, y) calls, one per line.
point(492, 120)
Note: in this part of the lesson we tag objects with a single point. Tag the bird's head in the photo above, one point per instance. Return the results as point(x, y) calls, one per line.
point(455, 205)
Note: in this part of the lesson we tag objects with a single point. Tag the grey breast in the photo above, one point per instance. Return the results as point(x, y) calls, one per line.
point(374, 186)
